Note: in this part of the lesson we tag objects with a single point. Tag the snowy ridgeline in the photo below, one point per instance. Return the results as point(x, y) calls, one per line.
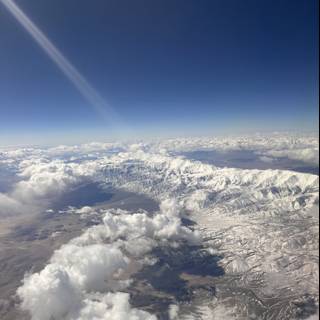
point(262, 223)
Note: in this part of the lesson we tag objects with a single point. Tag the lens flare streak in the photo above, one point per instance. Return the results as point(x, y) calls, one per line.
point(78, 80)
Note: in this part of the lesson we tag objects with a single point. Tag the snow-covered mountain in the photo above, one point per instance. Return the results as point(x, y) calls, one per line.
point(262, 225)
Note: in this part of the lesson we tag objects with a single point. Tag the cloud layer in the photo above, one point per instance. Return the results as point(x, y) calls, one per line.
point(82, 278)
point(233, 210)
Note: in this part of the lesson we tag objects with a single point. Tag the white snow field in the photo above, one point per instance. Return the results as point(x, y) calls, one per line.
point(261, 226)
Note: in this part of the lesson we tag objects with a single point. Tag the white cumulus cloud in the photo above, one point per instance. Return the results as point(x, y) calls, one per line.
point(81, 280)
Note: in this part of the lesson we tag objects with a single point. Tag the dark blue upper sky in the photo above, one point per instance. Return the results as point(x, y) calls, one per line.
point(166, 67)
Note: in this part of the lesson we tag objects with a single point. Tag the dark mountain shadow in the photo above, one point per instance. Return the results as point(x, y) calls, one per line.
point(165, 281)
point(249, 159)
point(306, 308)
point(87, 194)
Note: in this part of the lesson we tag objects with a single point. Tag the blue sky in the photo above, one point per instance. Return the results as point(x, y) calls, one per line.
point(167, 67)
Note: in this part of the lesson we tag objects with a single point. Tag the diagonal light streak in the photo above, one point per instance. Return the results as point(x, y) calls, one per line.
point(70, 71)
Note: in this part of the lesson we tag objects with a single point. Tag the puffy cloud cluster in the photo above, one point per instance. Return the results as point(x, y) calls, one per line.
point(41, 182)
point(111, 306)
point(10, 206)
point(304, 148)
point(44, 179)
point(199, 187)
point(138, 233)
point(82, 278)
point(307, 155)
point(173, 312)
point(45, 173)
